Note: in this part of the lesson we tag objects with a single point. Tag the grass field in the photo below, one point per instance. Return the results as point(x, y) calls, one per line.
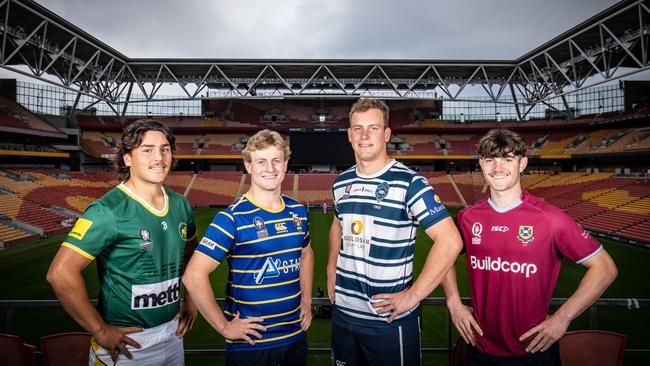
point(22, 276)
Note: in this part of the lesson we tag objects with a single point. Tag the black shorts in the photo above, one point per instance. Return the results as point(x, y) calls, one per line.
point(550, 357)
point(294, 354)
point(355, 345)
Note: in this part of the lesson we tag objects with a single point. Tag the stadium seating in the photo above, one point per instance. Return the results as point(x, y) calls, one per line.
point(459, 353)
point(15, 115)
point(314, 189)
point(592, 347)
point(70, 349)
point(441, 183)
point(10, 236)
point(13, 352)
point(214, 188)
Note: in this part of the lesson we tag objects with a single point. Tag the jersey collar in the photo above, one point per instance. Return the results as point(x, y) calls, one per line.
point(144, 203)
point(504, 209)
point(259, 205)
point(379, 173)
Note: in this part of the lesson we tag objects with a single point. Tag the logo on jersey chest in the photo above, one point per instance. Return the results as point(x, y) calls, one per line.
point(382, 191)
point(346, 193)
point(182, 230)
point(281, 227)
point(477, 229)
point(296, 220)
point(261, 228)
point(274, 267)
point(525, 235)
point(147, 244)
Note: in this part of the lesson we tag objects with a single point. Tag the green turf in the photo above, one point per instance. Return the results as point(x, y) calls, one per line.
point(22, 276)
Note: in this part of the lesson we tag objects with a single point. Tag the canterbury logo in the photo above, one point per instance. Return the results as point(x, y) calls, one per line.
point(357, 227)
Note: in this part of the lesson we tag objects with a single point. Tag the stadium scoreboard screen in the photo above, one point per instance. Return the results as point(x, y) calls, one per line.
point(327, 148)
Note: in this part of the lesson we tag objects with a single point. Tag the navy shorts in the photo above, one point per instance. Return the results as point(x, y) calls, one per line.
point(550, 357)
point(355, 345)
point(294, 354)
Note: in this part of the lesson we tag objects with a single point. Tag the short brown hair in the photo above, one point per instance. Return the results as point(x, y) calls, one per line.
point(499, 143)
point(132, 138)
point(365, 104)
point(264, 139)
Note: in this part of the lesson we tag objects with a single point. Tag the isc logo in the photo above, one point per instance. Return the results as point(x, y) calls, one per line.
point(502, 229)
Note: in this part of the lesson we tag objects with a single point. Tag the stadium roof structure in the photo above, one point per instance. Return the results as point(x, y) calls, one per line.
point(608, 46)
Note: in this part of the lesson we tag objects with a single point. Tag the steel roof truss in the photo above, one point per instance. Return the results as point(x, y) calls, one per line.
point(623, 46)
point(252, 86)
point(181, 84)
point(467, 80)
point(284, 82)
point(137, 81)
point(550, 59)
point(233, 86)
point(6, 29)
point(85, 66)
point(356, 87)
point(22, 42)
point(443, 83)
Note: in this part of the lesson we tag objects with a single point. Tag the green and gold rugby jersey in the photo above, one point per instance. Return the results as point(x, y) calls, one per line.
point(139, 253)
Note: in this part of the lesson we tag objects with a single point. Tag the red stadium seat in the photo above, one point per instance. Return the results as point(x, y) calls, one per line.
point(69, 349)
point(459, 353)
point(592, 347)
point(13, 352)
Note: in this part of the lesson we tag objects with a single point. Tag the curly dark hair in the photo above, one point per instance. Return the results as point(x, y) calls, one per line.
point(132, 138)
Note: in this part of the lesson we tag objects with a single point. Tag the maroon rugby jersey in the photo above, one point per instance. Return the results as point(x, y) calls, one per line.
point(513, 259)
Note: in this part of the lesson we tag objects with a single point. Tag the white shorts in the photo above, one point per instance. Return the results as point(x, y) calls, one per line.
point(160, 346)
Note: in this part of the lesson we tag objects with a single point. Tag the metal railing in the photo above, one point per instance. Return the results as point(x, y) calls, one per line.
point(627, 303)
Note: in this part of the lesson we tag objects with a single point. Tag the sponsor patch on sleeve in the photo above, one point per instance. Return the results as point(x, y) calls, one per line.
point(208, 243)
point(80, 228)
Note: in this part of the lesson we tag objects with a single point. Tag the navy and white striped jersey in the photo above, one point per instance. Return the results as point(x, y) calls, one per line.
point(263, 250)
point(379, 215)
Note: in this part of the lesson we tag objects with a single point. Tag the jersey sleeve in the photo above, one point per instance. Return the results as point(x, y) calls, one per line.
point(459, 225)
point(335, 200)
point(191, 223)
point(305, 225)
point(423, 203)
point(219, 238)
point(573, 241)
point(92, 232)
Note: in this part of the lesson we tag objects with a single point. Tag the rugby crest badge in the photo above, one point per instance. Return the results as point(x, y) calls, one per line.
point(525, 235)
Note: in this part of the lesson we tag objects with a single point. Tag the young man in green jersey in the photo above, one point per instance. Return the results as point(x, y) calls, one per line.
point(139, 233)
point(264, 236)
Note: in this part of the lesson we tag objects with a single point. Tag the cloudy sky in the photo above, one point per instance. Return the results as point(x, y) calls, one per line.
point(458, 29)
point(333, 29)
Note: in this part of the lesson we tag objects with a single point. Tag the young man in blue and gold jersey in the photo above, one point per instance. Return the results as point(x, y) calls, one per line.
point(379, 204)
point(138, 232)
point(264, 237)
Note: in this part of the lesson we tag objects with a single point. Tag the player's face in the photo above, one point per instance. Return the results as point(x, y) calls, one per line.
point(368, 135)
point(503, 174)
point(267, 168)
point(151, 161)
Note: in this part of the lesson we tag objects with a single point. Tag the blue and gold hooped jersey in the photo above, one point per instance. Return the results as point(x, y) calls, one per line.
point(263, 249)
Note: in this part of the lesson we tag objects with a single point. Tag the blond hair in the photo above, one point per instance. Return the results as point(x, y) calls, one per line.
point(264, 139)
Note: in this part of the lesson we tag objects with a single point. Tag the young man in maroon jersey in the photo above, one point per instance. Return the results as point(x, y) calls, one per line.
point(514, 245)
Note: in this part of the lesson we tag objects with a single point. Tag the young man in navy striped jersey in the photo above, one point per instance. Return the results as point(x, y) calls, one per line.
point(378, 205)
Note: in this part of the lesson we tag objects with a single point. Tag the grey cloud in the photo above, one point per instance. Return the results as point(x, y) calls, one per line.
point(488, 29)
